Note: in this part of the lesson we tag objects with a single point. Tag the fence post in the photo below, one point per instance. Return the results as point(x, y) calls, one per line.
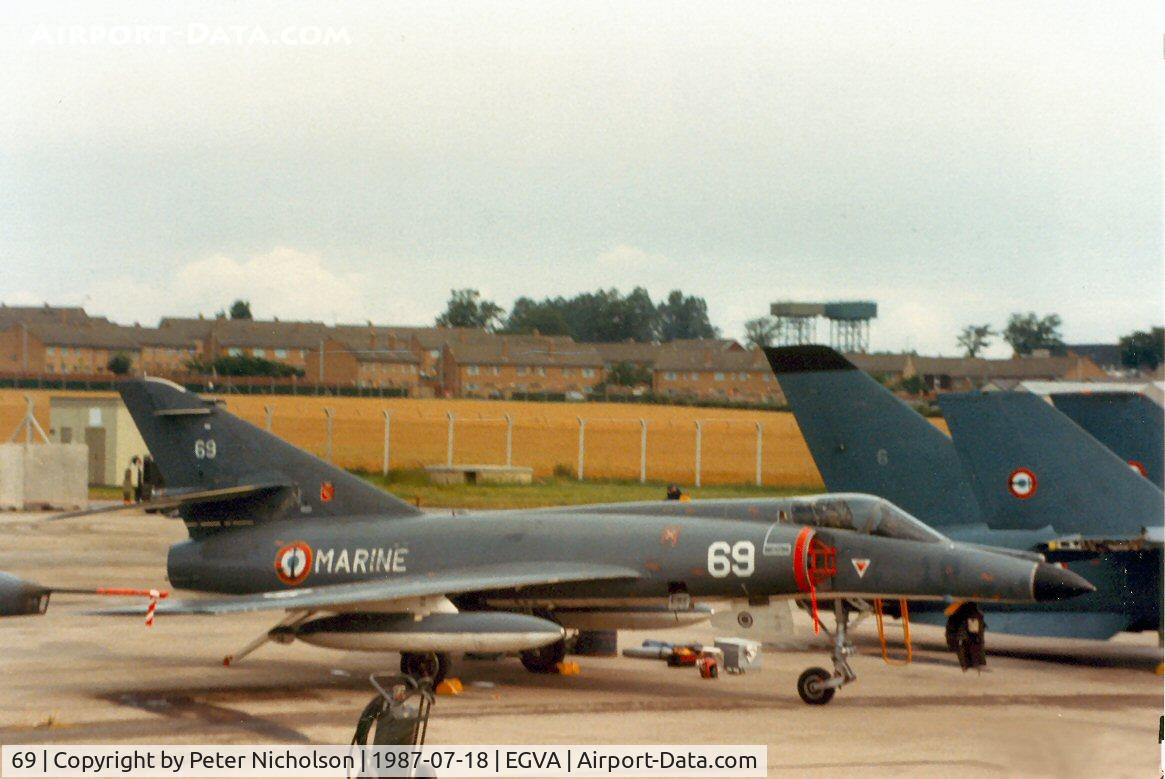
point(509, 440)
point(698, 437)
point(582, 433)
point(642, 451)
point(759, 451)
point(268, 411)
point(449, 440)
point(388, 419)
point(328, 412)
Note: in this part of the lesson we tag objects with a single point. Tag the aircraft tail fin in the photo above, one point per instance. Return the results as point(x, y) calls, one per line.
point(236, 473)
point(864, 439)
point(1033, 467)
point(1128, 423)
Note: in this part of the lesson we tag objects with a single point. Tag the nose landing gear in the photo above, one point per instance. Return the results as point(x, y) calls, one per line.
point(816, 686)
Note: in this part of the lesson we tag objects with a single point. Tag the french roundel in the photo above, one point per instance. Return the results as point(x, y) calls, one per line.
point(1022, 483)
point(1139, 467)
point(293, 563)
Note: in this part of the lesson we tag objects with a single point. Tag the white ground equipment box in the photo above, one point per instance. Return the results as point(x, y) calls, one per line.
point(740, 654)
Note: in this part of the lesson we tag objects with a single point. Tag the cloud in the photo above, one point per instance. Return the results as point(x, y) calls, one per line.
point(284, 282)
point(629, 258)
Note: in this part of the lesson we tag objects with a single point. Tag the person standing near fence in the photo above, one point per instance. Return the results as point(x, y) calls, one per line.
point(127, 484)
point(136, 462)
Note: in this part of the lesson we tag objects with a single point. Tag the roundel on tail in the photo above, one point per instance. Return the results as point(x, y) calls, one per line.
point(1022, 483)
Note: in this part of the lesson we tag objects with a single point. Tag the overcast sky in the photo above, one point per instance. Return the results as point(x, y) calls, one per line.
point(953, 162)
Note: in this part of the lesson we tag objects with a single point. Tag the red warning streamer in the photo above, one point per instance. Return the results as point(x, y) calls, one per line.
point(153, 595)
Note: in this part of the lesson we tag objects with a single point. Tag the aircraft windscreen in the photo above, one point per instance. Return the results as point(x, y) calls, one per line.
point(862, 514)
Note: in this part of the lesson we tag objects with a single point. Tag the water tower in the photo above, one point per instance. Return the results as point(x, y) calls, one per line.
point(849, 323)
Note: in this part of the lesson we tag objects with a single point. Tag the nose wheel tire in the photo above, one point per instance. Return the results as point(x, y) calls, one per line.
point(425, 665)
point(544, 659)
point(811, 687)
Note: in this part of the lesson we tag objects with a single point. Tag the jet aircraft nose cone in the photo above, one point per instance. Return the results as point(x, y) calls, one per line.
point(1055, 583)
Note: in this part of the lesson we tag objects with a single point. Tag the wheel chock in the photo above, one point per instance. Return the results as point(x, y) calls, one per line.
point(567, 668)
point(450, 687)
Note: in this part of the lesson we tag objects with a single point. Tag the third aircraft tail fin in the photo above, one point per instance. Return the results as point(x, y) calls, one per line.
point(1128, 423)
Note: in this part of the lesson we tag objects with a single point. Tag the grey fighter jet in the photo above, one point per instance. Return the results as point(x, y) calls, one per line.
point(1018, 475)
point(273, 528)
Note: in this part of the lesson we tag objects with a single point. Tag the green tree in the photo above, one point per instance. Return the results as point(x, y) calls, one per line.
point(635, 317)
point(530, 316)
point(975, 338)
point(606, 315)
point(119, 364)
point(683, 316)
point(243, 365)
point(760, 332)
point(466, 309)
point(1140, 350)
point(628, 374)
point(913, 385)
point(241, 309)
point(1028, 332)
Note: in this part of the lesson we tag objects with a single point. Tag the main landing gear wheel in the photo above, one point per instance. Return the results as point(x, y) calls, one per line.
point(966, 636)
point(817, 686)
point(425, 665)
point(544, 659)
point(811, 687)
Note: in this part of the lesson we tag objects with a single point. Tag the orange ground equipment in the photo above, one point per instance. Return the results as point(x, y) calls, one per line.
point(904, 611)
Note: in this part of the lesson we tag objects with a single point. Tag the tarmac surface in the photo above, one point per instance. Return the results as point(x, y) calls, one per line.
point(1044, 707)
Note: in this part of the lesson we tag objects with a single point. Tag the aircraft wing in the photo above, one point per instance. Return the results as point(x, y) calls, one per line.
point(479, 578)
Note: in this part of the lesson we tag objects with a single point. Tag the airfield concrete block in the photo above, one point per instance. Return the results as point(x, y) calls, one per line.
point(11, 477)
point(479, 474)
point(56, 476)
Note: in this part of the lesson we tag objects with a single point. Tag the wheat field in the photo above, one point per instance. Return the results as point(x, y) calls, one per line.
point(545, 435)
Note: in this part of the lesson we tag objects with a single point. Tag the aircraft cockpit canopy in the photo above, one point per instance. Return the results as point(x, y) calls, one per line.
point(861, 514)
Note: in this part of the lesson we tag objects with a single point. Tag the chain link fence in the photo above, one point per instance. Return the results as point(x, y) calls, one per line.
point(690, 446)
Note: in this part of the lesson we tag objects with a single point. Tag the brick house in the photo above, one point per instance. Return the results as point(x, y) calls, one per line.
point(741, 375)
point(384, 357)
point(502, 365)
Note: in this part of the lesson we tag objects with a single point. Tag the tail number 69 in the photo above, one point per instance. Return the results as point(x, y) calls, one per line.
point(738, 558)
point(205, 449)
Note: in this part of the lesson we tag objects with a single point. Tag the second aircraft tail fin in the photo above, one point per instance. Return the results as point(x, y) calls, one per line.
point(864, 439)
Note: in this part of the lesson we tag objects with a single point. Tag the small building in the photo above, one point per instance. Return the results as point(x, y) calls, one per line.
point(104, 424)
point(961, 374)
point(886, 367)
